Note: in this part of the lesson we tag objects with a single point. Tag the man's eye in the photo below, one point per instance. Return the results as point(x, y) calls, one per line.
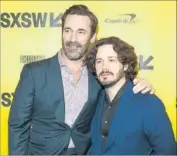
point(66, 30)
point(98, 62)
point(81, 32)
point(112, 60)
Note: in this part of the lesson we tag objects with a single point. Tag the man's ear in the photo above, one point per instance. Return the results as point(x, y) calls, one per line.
point(93, 39)
point(125, 67)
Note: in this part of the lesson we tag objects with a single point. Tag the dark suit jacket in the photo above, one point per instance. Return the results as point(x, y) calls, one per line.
point(140, 126)
point(37, 115)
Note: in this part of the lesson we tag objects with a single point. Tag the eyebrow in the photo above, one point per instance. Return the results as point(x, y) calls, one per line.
point(81, 29)
point(108, 57)
point(98, 59)
point(67, 28)
point(112, 57)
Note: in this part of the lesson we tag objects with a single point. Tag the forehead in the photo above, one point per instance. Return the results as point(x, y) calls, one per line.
point(77, 22)
point(105, 51)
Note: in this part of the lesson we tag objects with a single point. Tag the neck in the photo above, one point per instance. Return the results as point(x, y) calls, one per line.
point(73, 65)
point(113, 90)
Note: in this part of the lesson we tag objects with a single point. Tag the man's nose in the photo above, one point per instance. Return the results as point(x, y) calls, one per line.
point(73, 37)
point(105, 66)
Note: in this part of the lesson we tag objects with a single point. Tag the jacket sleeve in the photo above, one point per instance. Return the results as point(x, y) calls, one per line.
point(158, 129)
point(21, 114)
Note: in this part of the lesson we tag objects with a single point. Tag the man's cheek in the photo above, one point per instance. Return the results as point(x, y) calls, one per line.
point(98, 72)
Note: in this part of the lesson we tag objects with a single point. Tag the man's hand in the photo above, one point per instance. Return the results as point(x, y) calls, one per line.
point(143, 86)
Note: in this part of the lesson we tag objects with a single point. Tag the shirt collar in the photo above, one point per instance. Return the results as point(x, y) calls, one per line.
point(60, 59)
point(117, 96)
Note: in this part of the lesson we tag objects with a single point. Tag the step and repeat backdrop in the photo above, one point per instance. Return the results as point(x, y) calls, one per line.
point(31, 31)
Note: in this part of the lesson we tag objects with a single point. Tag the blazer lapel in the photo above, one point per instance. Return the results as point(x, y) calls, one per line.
point(93, 89)
point(57, 91)
point(96, 125)
point(118, 119)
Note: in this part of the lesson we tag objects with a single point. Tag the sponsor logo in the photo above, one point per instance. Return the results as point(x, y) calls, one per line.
point(30, 58)
point(122, 19)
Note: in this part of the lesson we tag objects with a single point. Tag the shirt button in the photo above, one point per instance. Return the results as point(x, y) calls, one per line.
point(106, 122)
point(109, 107)
point(103, 136)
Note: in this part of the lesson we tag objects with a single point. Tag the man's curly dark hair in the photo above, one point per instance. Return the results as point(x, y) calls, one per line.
point(125, 54)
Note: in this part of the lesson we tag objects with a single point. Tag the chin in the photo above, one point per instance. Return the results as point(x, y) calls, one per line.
point(104, 82)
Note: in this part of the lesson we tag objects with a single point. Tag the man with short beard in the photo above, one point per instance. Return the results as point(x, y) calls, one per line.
point(126, 123)
point(56, 98)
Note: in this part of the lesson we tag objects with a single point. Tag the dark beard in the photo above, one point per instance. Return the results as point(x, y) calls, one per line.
point(78, 54)
point(108, 85)
point(112, 83)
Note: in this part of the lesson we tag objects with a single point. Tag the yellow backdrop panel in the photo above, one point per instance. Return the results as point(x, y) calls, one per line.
point(31, 31)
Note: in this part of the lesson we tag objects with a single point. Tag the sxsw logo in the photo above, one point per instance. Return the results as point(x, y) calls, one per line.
point(30, 58)
point(26, 20)
point(144, 62)
point(128, 18)
point(6, 99)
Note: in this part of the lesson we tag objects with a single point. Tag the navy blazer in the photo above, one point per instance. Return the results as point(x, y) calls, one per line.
point(140, 126)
